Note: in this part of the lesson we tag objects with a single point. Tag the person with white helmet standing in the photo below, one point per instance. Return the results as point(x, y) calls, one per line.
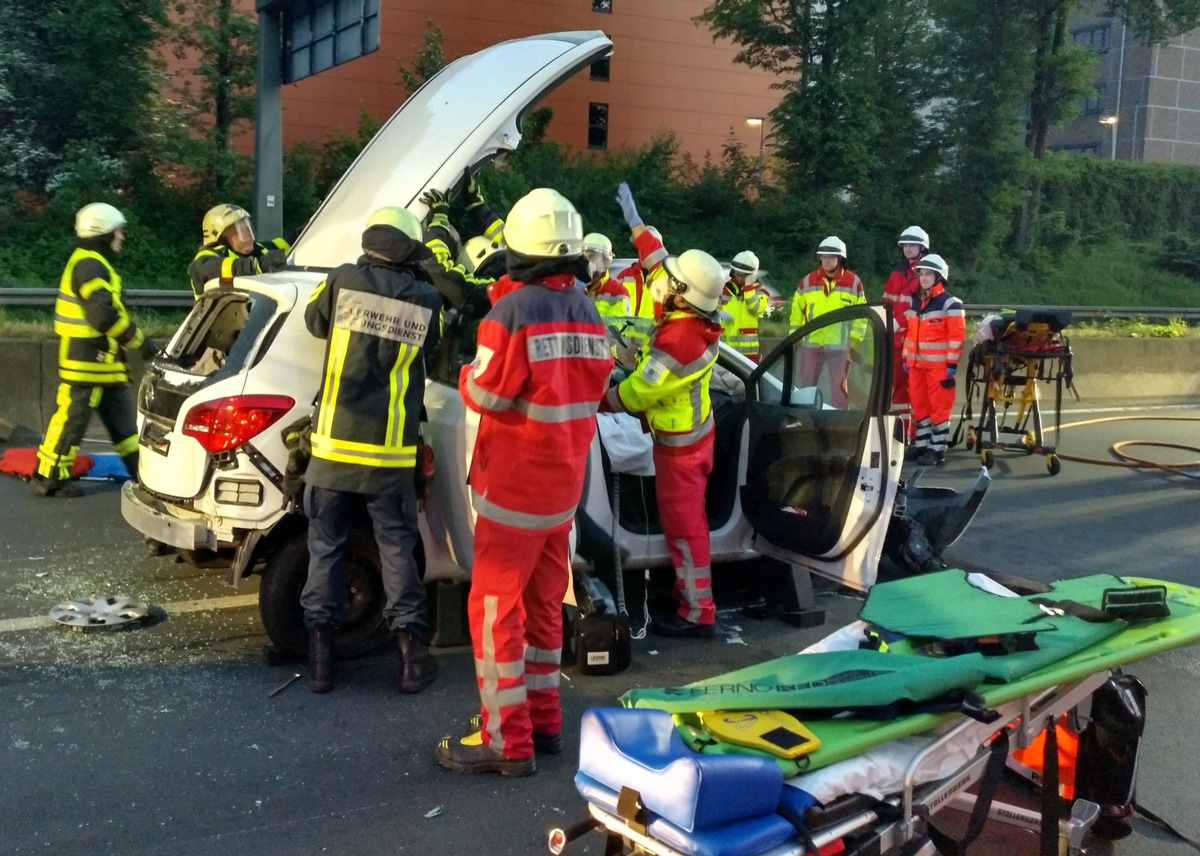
point(94, 330)
point(899, 289)
point(744, 302)
point(831, 286)
point(932, 347)
point(229, 249)
point(542, 365)
point(670, 388)
point(379, 320)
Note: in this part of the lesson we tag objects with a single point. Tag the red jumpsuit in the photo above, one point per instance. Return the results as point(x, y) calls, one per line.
point(670, 386)
point(933, 343)
point(899, 289)
point(543, 362)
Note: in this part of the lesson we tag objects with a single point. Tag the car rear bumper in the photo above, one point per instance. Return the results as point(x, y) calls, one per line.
point(145, 514)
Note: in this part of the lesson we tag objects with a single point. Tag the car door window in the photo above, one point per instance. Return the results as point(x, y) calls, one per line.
point(816, 398)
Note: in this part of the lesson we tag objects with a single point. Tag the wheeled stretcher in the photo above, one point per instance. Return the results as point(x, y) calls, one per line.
point(1012, 354)
point(649, 793)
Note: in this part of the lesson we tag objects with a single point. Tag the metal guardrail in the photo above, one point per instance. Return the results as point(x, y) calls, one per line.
point(172, 298)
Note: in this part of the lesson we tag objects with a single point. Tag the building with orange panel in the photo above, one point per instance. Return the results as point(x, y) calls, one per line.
point(666, 73)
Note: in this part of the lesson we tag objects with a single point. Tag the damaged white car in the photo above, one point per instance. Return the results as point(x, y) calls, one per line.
point(794, 478)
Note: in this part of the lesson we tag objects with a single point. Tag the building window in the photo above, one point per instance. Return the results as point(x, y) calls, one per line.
point(600, 69)
point(597, 126)
point(601, 5)
point(1092, 39)
point(1095, 104)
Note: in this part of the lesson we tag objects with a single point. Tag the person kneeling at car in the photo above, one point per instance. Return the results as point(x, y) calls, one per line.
point(670, 387)
point(379, 317)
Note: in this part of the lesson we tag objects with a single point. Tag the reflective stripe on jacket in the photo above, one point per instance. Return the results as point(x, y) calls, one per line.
point(899, 289)
point(221, 262)
point(542, 365)
point(612, 301)
point(743, 306)
point(670, 384)
point(92, 322)
point(381, 326)
point(936, 329)
point(816, 295)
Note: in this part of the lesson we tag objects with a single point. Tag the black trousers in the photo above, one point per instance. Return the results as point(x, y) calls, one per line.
point(116, 408)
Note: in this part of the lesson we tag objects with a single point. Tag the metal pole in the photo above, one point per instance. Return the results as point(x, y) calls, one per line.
point(268, 123)
point(761, 123)
point(1120, 80)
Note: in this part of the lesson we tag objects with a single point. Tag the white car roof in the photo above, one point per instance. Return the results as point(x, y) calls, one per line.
point(467, 112)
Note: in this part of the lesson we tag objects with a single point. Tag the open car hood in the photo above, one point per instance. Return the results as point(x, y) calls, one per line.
point(468, 112)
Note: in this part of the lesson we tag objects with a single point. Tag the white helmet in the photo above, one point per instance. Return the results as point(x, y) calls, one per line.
point(696, 277)
point(478, 250)
point(935, 263)
point(599, 251)
point(832, 246)
point(914, 235)
point(745, 262)
point(397, 218)
point(544, 224)
point(96, 219)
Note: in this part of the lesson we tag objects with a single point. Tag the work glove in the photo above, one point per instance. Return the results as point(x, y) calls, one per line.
point(437, 202)
point(474, 193)
point(951, 371)
point(274, 259)
point(628, 208)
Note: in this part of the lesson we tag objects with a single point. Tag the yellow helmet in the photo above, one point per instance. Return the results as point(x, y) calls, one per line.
point(218, 219)
point(397, 218)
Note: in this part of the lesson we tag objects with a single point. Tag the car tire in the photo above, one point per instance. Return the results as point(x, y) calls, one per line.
point(364, 629)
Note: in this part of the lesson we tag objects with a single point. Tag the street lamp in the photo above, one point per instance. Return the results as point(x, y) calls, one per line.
point(1111, 121)
point(758, 122)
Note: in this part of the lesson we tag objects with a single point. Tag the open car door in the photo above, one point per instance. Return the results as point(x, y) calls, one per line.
point(824, 457)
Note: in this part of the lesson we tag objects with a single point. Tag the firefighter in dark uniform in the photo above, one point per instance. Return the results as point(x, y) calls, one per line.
point(94, 331)
point(379, 317)
point(230, 250)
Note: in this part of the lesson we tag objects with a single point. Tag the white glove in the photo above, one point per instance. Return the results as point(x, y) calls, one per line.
point(628, 208)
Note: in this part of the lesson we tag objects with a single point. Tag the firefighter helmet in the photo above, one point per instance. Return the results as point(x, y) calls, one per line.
point(696, 277)
point(397, 218)
point(544, 224)
point(599, 251)
point(747, 263)
point(478, 250)
point(218, 219)
point(914, 235)
point(937, 264)
point(96, 219)
point(832, 246)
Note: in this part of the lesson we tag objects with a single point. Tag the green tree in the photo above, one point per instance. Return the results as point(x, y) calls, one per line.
point(214, 98)
point(76, 72)
point(428, 61)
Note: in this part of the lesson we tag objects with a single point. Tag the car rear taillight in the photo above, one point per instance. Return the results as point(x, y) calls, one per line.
point(227, 423)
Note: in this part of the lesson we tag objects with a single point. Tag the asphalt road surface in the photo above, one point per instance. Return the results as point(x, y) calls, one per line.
point(168, 738)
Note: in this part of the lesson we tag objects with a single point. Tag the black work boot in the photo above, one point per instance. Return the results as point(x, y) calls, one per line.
point(56, 489)
point(320, 658)
point(470, 755)
point(418, 667)
point(544, 742)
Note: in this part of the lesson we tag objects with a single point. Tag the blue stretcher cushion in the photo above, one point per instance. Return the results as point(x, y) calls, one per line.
point(741, 838)
point(640, 749)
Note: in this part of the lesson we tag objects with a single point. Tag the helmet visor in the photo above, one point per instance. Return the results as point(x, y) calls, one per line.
point(241, 235)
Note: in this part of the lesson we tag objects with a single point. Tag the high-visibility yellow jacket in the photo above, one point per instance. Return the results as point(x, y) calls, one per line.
point(92, 323)
point(818, 294)
point(220, 262)
point(670, 385)
point(743, 308)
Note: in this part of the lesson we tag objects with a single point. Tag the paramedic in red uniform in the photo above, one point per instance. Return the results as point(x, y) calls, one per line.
point(542, 365)
point(899, 289)
point(670, 388)
point(932, 347)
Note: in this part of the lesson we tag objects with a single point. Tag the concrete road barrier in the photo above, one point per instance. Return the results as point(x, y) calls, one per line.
point(1105, 370)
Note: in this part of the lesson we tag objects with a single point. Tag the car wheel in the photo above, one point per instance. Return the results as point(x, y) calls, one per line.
point(283, 579)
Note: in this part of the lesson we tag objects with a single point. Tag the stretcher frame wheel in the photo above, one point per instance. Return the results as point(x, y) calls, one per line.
point(1053, 465)
point(970, 441)
point(989, 458)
